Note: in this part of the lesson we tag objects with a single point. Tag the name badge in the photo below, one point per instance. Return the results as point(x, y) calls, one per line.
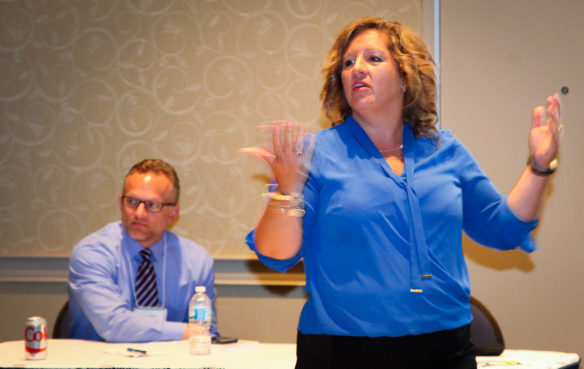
point(157, 312)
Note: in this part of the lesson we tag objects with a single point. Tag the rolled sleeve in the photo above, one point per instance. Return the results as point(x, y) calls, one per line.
point(516, 231)
point(274, 264)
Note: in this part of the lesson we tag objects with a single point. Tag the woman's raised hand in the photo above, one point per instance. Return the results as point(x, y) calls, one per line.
point(544, 138)
point(290, 157)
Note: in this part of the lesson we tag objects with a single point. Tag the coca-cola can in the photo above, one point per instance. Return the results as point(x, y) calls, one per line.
point(35, 338)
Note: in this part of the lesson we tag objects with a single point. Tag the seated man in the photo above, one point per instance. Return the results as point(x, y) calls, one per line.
point(132, 281)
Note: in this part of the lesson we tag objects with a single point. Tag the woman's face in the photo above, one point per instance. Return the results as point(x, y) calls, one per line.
point(371, 79)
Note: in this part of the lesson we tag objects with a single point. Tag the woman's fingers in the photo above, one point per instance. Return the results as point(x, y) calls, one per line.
point(290, 155)
point(276, 141)
point(537, 117)
point(545, 128)
point(258, 152)
point(299, 140)
point(307, 154)
point(288, 137)
point(554, 111)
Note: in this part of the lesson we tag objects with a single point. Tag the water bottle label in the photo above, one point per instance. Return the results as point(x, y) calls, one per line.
point(202, 313)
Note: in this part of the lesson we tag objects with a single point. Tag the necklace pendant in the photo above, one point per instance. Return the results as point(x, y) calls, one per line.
point(392, 150)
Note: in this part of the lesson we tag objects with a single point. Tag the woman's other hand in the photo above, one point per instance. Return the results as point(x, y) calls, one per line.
point(290, 157)
point(544, 138)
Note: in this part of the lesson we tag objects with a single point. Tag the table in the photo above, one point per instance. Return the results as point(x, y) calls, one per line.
point(530, 359)
point(68, 353)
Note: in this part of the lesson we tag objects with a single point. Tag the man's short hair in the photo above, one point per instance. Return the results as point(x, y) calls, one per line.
point(159, 167)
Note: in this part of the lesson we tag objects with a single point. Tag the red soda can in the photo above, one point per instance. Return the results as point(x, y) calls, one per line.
point(35, 338)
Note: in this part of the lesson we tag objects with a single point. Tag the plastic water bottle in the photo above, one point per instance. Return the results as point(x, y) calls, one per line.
point(200, 318)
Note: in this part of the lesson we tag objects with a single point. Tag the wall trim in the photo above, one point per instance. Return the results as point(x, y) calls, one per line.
point(228, 271)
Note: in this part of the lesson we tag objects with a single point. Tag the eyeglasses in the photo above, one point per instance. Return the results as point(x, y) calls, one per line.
point(150, 205)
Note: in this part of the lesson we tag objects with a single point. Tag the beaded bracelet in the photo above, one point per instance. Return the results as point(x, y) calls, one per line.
point(289, 204)
point(294, 210)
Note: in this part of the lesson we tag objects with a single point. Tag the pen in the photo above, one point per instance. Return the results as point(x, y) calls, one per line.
point(499, 363)
point(142, 352)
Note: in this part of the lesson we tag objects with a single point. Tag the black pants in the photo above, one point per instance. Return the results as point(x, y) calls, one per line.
point(449, 349)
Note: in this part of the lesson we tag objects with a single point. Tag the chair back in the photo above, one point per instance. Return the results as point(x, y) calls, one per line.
point(485, 333)
point(61, 327)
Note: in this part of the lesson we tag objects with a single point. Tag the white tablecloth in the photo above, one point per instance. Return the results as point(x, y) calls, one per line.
point(65, 353)
point(528, 359)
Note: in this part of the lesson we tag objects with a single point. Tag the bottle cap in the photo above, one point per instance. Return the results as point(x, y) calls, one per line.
point(200, 289)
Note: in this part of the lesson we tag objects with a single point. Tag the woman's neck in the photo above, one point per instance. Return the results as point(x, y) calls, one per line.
point(386, 131)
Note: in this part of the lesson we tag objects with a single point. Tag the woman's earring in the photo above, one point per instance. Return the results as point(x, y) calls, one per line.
point(403, 88)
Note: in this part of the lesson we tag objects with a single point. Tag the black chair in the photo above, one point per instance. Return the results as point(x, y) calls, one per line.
point(61, 327)
point(485, 333)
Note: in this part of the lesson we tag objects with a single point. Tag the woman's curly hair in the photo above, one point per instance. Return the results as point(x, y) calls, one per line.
point(415, 63)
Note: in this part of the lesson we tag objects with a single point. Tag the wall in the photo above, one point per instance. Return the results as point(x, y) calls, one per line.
point(88, 88)
point(499, 60)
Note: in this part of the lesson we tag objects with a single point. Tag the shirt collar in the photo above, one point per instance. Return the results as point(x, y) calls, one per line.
point(134, 246)
point(408, 139)
point(361, 136)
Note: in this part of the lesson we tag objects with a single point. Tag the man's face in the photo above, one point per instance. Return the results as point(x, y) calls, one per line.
point(145, 226)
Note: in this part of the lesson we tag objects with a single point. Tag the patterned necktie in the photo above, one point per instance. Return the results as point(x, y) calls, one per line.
point(146, 288)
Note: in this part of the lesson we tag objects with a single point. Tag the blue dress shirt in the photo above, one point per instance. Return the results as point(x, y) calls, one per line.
point(102, 274)
point(373, 238)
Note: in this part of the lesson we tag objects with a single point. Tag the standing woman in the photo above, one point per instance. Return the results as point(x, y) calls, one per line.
point(376, 206)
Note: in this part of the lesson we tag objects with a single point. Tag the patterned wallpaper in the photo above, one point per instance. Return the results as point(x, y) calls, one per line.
point(89, 87)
